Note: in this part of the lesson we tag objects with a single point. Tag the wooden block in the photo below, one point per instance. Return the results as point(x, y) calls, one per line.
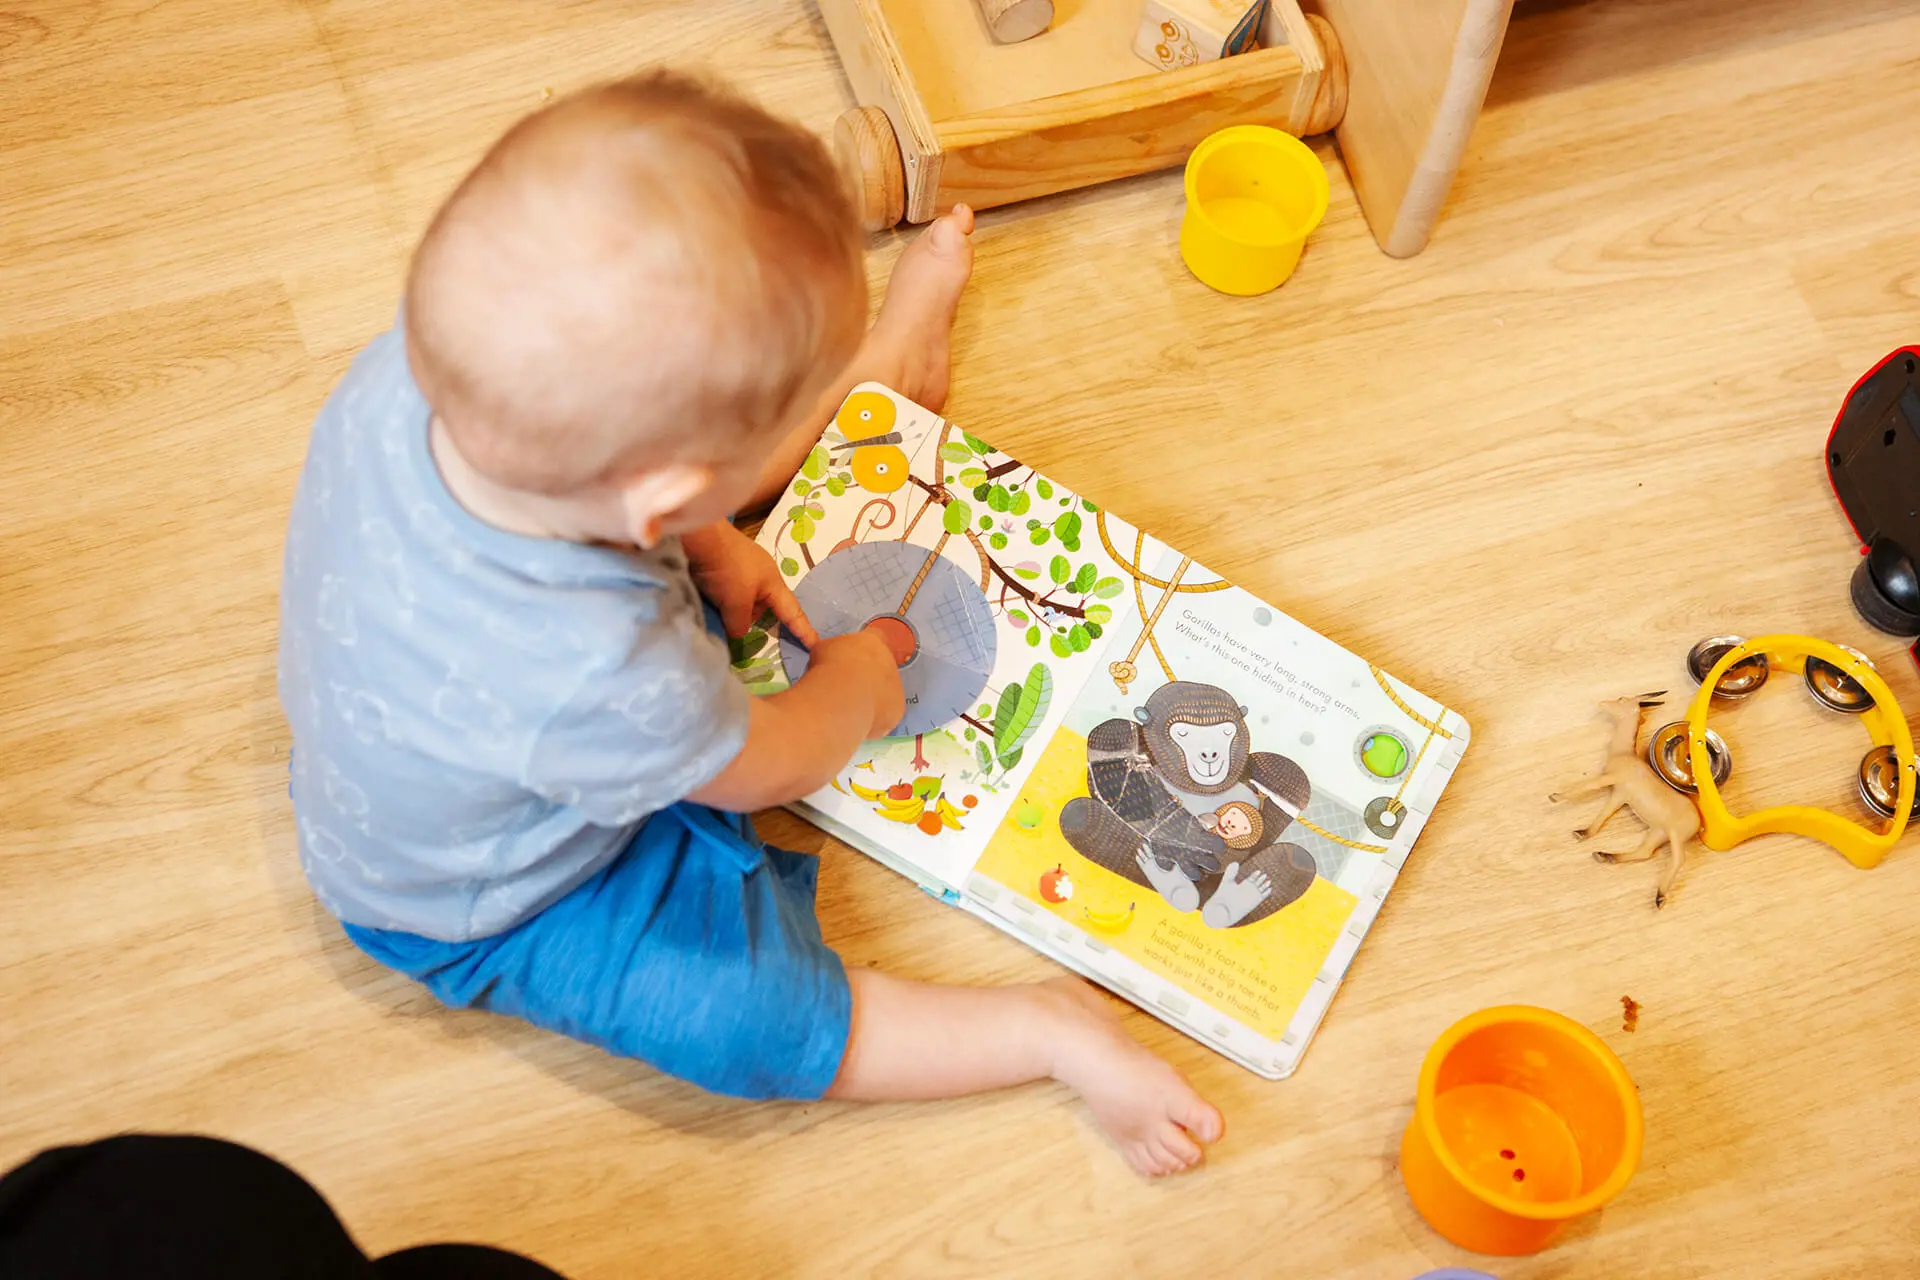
point(1186, 33)
point(1417, 73)
point(1016, 20)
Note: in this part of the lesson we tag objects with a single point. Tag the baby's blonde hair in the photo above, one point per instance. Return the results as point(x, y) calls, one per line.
point(649, 271)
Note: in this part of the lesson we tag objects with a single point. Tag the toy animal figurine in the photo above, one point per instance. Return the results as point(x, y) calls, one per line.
point(1630, 782)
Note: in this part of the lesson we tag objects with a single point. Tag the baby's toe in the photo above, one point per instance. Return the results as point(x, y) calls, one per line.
point(1199, 1118)
point(1144, 1158)
point(1176, 1147)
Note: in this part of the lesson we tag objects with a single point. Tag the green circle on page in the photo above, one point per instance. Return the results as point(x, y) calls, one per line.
point(1384, 755)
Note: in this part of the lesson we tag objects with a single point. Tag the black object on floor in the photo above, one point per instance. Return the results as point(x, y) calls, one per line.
point(190, 1208)
point(1873, 463)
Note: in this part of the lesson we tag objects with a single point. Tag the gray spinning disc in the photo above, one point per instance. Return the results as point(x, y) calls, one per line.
point(951, 624)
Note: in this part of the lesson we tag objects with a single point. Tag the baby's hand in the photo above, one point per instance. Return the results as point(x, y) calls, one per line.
point(863, 656)
point(741, 580)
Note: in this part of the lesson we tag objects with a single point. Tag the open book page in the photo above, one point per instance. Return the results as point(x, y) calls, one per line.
point(1216, 819)
point(994, 576)
point(1143, 770)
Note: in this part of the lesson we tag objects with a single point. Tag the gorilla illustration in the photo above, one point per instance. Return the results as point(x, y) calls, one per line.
point(1162, 789)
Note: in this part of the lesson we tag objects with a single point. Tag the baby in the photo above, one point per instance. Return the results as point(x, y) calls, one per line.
point(1237, 823)
point(521, 762)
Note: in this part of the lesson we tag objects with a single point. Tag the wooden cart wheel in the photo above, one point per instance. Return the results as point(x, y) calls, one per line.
point(1330, 99)
point(869, 156)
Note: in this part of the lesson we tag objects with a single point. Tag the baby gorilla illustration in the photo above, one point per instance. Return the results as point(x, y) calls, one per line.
point(1180, 789)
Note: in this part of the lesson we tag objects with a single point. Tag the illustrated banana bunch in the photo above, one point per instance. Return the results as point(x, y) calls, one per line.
point(908, 810)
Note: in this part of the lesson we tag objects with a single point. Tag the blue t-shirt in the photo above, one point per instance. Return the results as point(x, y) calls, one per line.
point(481, 721)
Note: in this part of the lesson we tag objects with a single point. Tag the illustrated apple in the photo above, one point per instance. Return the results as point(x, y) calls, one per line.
point(900, 791)
point(1055, 886)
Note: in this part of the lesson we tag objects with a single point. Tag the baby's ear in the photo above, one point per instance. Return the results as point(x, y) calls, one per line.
point(650, 501)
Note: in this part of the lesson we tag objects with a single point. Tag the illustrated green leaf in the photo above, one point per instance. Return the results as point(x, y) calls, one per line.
point(998, 542)
point(956, 517)
point(973, 476)
point(981, 490)
point(976, 444)
point(1065, 501)
point(1083, 581)
point(1010, 759)
point(1108, 588)
point(1022, 571)
point(1019, 616)
point(956, 452)
point(803, 527)
point(1006, 718)
point(815, 510)
point(801, 488)
point(1046, 489)
point(1099, 613)
point(984, 756)
point(742, 648)
point(1094, 629)
point(789, 566)
point(1033, 635)
point(986, 522)
point(836, 486)
point(1021, 502)
point(1090, 507)
point(999, 499)
point(1039, 692)
point(1059, 568)
point(1077, 637)
point(796, 511)
point(760, 675)
point(984, 711)
point(1038, 536)
point(1071, 544)
point(816, 464)
point(1068, 525)
point(1022, 706)
point(1060, 645)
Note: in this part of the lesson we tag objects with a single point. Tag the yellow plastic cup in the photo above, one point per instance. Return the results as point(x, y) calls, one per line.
point(1254, 195)
point(1522, 1122)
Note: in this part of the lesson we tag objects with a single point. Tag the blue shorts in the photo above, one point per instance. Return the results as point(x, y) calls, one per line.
point(696, 951)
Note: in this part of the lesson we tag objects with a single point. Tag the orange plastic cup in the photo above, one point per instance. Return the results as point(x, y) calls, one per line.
point(1523, 1121)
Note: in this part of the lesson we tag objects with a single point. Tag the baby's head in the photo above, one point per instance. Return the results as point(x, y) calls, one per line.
point(1238, 824)
point(633, 296)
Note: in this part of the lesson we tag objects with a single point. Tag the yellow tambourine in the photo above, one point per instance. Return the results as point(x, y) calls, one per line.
point(1721, 830)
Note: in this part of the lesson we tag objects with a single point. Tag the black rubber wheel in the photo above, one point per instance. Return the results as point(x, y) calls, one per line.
point(1879, 612)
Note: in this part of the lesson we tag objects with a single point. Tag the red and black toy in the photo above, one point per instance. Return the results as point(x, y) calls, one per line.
point(1873, 463)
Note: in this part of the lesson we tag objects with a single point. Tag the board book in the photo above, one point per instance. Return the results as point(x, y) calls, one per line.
point(1134, 766)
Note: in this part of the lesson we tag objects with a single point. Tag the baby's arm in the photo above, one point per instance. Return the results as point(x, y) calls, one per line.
point(798, 739)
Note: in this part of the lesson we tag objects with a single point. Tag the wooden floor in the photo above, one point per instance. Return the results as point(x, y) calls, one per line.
point(1525, 470)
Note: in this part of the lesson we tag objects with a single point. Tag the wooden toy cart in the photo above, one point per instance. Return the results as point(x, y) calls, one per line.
point(948, 115)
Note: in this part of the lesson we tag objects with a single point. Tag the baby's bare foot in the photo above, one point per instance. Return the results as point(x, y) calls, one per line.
point(1146, 1107)
point(910, 341)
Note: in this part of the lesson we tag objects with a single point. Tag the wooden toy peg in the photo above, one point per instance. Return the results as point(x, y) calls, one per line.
point(1012, 21)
